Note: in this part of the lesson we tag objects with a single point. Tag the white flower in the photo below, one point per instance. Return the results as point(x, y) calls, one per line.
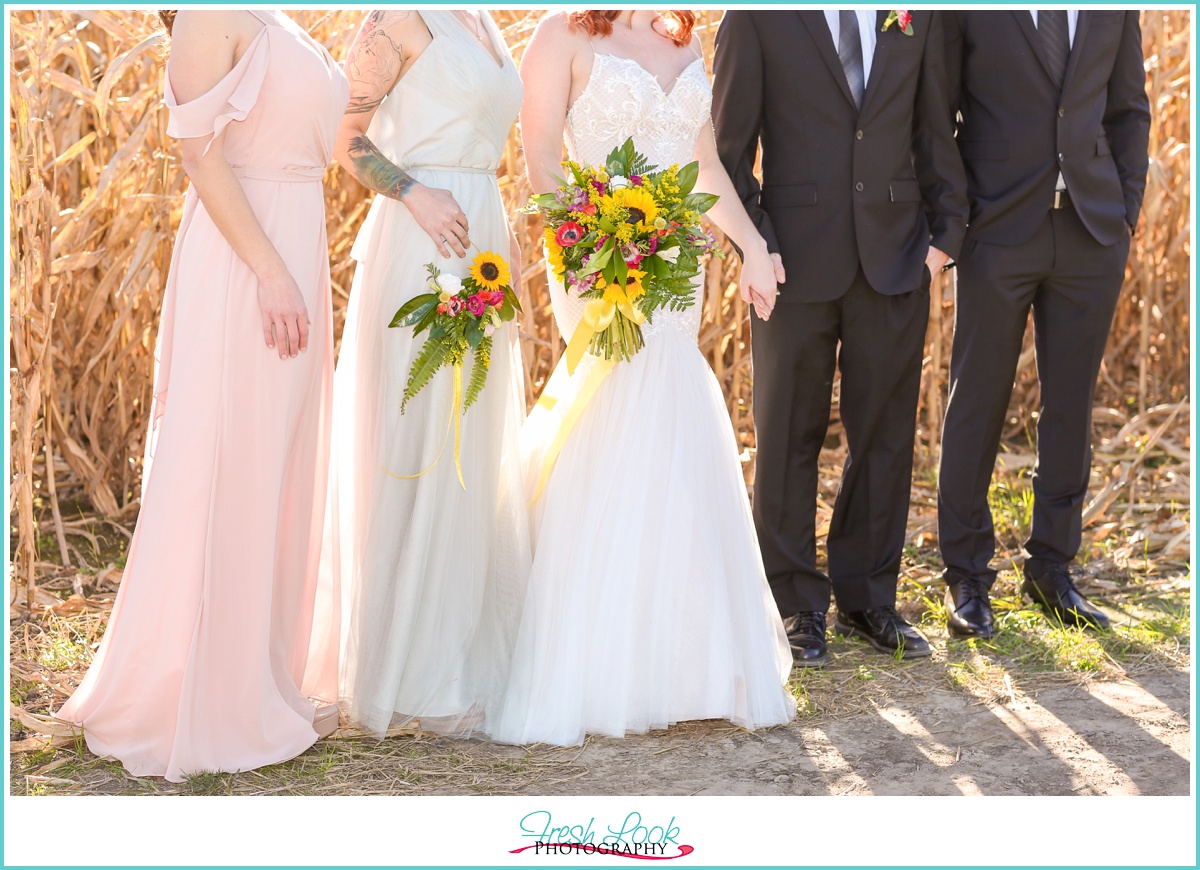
point(616, 182)
point(451, 284)
point(488, 329)
point(669, 254)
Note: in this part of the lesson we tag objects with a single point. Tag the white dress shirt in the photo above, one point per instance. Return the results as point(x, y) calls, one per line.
point(866, 30)
point(1072, 20)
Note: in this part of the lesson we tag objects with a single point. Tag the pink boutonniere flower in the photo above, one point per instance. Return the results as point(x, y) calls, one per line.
point(902, 18)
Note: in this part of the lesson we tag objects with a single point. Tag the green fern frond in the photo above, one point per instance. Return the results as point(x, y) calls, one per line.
point(479, 372)
point(433, 356)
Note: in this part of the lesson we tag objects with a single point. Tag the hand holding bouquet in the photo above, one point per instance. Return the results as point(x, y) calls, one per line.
point(626, 236)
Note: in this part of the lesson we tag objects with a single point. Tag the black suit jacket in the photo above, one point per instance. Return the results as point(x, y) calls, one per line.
point(840, 187)
point(1016, 131)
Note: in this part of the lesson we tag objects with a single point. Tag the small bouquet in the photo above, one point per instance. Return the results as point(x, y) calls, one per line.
point(460, 314)
point(626, 236)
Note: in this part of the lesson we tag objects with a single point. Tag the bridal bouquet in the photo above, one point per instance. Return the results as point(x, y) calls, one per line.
point(626, 236)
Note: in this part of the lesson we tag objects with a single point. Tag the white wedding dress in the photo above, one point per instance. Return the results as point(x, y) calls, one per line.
point(647, 603)
point(434, 575)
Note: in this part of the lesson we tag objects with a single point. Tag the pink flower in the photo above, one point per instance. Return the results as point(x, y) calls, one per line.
point(635, 180)
point(600, 187)
point(476, 305)
point(454, 305)
point(903, 18)
point(496, 299)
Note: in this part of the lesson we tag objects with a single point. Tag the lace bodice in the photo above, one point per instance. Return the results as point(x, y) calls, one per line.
point(623, 100)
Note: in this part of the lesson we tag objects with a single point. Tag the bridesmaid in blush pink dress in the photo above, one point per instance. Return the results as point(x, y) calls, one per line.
point(211, 655)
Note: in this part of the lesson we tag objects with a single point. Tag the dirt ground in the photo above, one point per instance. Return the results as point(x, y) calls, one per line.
point(1129, 737)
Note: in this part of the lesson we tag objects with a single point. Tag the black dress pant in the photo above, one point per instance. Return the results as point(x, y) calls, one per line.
point(1071, 283)
point(881, 340)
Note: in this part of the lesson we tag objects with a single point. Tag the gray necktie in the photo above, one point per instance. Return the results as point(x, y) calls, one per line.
point(850, 54)
point(1056, 42)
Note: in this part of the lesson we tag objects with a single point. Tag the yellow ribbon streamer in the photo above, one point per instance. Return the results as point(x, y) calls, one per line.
point(595, 377)
point(454, 420)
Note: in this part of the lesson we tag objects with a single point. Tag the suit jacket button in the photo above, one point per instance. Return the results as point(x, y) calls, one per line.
point(1060, 157)
point(858, 135)
point(1061, 112)
point(858, 186)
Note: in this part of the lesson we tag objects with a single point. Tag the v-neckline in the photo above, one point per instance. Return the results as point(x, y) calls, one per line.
point(493, 52)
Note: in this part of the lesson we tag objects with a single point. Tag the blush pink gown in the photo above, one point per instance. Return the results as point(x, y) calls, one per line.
point(211, 655)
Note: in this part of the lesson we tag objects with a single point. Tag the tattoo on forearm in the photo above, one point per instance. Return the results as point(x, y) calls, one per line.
point(376, 171)
point(374, 63)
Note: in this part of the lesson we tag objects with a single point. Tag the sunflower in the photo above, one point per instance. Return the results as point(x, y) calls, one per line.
point(490, 271)
point(640, 204)
point(554, 254)
point(633, 288)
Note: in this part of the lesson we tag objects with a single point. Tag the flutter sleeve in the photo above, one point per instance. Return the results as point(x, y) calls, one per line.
point(230, 99)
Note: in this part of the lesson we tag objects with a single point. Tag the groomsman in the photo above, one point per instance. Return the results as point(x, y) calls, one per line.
point(1053, 128)
point(863, 197)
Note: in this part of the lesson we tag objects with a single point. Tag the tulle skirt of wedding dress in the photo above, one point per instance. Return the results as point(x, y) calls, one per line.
point(433, 573)
point(647, 603)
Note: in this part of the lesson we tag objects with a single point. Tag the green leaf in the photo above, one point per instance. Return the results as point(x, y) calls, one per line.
point(510, 297)
point(687, 177)
point(479, 373)
point(599, 260)
point(622, 270)
point(426, 321)
point(411, 306)
point(474, 332)
point(700, 202)
point(432, 356)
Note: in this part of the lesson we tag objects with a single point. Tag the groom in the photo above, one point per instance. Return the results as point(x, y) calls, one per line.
point(863, 198)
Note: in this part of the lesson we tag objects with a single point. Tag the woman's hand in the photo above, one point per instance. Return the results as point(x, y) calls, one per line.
point(284, 314)
point(437, 212)
point(761, 273)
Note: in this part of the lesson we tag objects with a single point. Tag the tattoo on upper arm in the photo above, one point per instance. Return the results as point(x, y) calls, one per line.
point(374, 63)
point(376, 171)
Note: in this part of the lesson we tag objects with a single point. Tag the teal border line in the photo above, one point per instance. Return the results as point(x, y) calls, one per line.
point(61, 825)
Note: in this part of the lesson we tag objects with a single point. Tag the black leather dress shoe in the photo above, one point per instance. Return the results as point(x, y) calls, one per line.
point(1056, 591)
point(884, 629)
point(806, 634)
point(968, 610)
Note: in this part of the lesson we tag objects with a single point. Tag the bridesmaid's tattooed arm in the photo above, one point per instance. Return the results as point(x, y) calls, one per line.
point(374, 65)
point(375, 61)
point(375, 171)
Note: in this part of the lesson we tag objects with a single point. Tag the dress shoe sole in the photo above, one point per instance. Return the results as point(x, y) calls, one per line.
point(1070, 617)
point(907, 653)
point(1066, 617)
point(983, 634)
point(818, 662)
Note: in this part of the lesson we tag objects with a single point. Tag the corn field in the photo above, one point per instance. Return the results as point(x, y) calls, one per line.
point(96, 195)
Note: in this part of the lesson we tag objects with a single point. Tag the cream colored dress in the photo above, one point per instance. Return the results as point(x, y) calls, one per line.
point(433, 573)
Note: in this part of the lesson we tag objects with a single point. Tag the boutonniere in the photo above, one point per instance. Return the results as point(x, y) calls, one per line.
point(902, 18)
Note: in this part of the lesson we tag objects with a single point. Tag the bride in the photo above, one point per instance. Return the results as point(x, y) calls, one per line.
point(647, 603)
